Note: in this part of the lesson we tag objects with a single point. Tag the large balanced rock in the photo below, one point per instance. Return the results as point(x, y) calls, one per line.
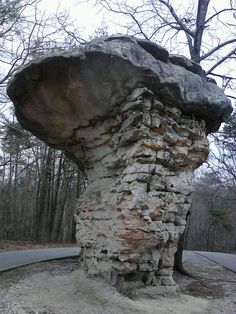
point(137, 122)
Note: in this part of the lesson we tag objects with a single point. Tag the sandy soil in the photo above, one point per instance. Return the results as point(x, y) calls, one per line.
point(58, 287)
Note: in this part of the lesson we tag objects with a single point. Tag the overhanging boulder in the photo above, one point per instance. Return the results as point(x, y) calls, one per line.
point(137, 119)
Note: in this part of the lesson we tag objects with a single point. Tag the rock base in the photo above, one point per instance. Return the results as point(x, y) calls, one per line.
point(139, 163)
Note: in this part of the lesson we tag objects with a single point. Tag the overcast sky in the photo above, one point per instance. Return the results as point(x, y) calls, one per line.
point(86, 15)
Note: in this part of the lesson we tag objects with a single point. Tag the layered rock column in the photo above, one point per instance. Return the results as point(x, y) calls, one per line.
point(139, 164)
point(136, 119)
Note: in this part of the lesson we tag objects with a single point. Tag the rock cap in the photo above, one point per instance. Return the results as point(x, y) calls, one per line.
point(60, 93)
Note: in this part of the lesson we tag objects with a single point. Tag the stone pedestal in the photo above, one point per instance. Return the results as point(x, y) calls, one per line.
point(136, 118)
point(139, 164)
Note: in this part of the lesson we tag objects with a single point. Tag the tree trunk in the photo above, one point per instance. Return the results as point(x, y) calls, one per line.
point(178, 262)
point(200, 25)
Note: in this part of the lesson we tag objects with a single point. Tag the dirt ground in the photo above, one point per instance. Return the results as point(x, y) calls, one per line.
point(59, 287)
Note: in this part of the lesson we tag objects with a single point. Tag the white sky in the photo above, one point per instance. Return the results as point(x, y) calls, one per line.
point(85, 14)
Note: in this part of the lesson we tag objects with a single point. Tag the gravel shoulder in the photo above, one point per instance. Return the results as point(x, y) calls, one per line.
point(59, 287)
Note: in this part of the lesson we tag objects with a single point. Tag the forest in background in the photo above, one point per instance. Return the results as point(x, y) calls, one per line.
point(39, 185)
point(212, 224)
point(38, 188)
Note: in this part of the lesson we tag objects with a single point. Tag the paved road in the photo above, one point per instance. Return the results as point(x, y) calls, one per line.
point(226, 260)
point(223, 259)
point(196, 258)
point(12, 259)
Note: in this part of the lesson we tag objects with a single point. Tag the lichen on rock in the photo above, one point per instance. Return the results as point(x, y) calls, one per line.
point(137, 118)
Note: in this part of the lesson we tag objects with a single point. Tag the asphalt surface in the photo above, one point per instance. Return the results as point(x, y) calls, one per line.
point(196, 258)
point(12, 259)
point(228, 261)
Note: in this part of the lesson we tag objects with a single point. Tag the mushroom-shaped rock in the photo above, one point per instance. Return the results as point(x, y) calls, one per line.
point(137, 122)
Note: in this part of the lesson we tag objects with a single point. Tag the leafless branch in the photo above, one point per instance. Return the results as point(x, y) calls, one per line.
point(173, 13)
point(222, 60)
point(206, 55)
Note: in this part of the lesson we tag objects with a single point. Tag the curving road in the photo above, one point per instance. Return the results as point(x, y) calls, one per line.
point(226, 260)
point(12, 259)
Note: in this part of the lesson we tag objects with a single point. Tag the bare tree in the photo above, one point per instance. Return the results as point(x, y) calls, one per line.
point(205, 29)
point(37, 184)
point(223, 158)
point(212, 225)
point(26, 32)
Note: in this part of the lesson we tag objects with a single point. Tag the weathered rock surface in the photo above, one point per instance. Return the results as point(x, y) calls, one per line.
point(140, 164)
point(138, 124)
